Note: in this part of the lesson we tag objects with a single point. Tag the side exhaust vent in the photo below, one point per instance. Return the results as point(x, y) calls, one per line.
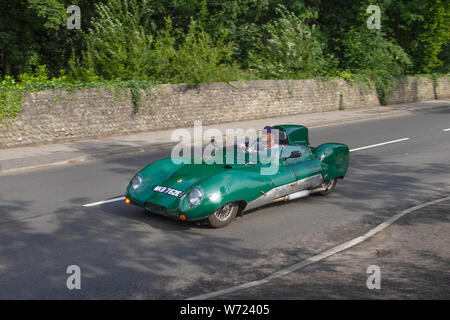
point(292, 196)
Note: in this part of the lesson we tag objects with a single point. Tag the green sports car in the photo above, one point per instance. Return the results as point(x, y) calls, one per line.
point(218, 192)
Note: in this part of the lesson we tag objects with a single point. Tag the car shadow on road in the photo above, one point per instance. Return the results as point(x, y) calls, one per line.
point(151, 219)
point(387, 187)
point(121, 255)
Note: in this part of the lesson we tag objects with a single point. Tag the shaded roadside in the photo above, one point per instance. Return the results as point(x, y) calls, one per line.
point(413, 256)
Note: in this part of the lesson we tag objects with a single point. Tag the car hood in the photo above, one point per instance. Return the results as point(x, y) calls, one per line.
point(189, 175)
point(182, 177)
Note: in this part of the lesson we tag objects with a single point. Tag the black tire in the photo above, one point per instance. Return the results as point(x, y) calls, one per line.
point(224, 215)
point(328, 185)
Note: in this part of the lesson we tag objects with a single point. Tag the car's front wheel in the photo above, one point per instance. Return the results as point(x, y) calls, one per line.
point(224, 215)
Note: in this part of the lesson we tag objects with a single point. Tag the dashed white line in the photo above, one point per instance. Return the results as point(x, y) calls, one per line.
point(379, 144)
point(103, 202)
point(320, 256)
point(446, 129)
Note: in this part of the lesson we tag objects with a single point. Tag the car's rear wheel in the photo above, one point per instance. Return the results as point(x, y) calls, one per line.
point(327, 186)
point(224, 215)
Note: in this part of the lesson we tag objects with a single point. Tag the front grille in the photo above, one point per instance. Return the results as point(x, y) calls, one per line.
point(155, 208)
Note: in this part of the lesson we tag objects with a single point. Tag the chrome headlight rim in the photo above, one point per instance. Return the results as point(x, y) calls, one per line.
point(136, 182)
point(195, 196)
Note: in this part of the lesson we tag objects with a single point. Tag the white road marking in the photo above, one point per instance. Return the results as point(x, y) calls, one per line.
point(379, 144)
point(446, 129)
point(103, 202)
point(320, 256)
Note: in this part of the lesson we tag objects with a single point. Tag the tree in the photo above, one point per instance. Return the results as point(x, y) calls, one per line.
point(200, 59)
point(120, 47)
point(290, 48)
point(370, 53)
point(434, 38)
point(23, 27)
point(33, 33)
point(117, 43)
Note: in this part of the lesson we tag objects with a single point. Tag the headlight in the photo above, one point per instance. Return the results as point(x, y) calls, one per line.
point(195, 196)
point(137, 181)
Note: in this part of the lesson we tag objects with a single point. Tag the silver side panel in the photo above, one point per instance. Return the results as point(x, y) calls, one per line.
point(284, 190)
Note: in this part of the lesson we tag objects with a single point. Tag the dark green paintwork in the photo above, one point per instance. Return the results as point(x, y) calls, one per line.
point(236, 182)
point(297, 135)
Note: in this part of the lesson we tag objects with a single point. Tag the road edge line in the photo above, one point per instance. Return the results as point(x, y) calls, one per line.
point(320, 256)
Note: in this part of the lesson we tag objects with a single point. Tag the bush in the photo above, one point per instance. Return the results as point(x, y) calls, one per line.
point(369, 54)
point(292, 50)
point(10, 98)
point(119, 48)
point(117, 44)
point(12, 90)
point(200, 59)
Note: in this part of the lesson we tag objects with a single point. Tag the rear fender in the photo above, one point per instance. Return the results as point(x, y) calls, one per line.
point(334, 158)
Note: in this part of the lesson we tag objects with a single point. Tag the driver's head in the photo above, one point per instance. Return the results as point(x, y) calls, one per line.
point(268, 133)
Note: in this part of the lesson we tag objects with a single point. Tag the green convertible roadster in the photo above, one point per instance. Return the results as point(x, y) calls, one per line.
point(218, 192)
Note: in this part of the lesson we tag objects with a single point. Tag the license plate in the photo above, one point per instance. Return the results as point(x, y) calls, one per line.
point(167, 190)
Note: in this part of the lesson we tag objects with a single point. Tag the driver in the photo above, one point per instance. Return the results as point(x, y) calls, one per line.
point(270, 140)
point(267, 142)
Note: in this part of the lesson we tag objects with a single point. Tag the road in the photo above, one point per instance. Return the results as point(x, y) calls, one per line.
point(126, 253)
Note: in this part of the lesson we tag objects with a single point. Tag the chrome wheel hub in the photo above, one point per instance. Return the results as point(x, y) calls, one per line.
point(224, 212)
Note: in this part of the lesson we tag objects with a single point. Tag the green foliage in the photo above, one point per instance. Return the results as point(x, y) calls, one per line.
point(197, 41)
point(368, 52)
point(10, 98)
point(12, 91)
point(136, 98)
point(434, 38)
point(32, 33)
point(52, 12)
point(135, 89)
point(119, 48)
point(293, 50)
point(40, 75)
point(117, 42)
point(200, 59)
point(162, 55)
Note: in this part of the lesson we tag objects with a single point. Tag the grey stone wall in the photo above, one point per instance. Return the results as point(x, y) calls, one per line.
point(412, 89)
point(60, 116)
point(443, 88)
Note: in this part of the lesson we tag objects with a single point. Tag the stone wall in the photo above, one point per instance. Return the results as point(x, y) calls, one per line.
point(412, 89)
point(443, 88)
point(59, 115)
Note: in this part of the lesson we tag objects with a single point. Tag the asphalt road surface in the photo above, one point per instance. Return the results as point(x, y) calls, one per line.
point(125, 252)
